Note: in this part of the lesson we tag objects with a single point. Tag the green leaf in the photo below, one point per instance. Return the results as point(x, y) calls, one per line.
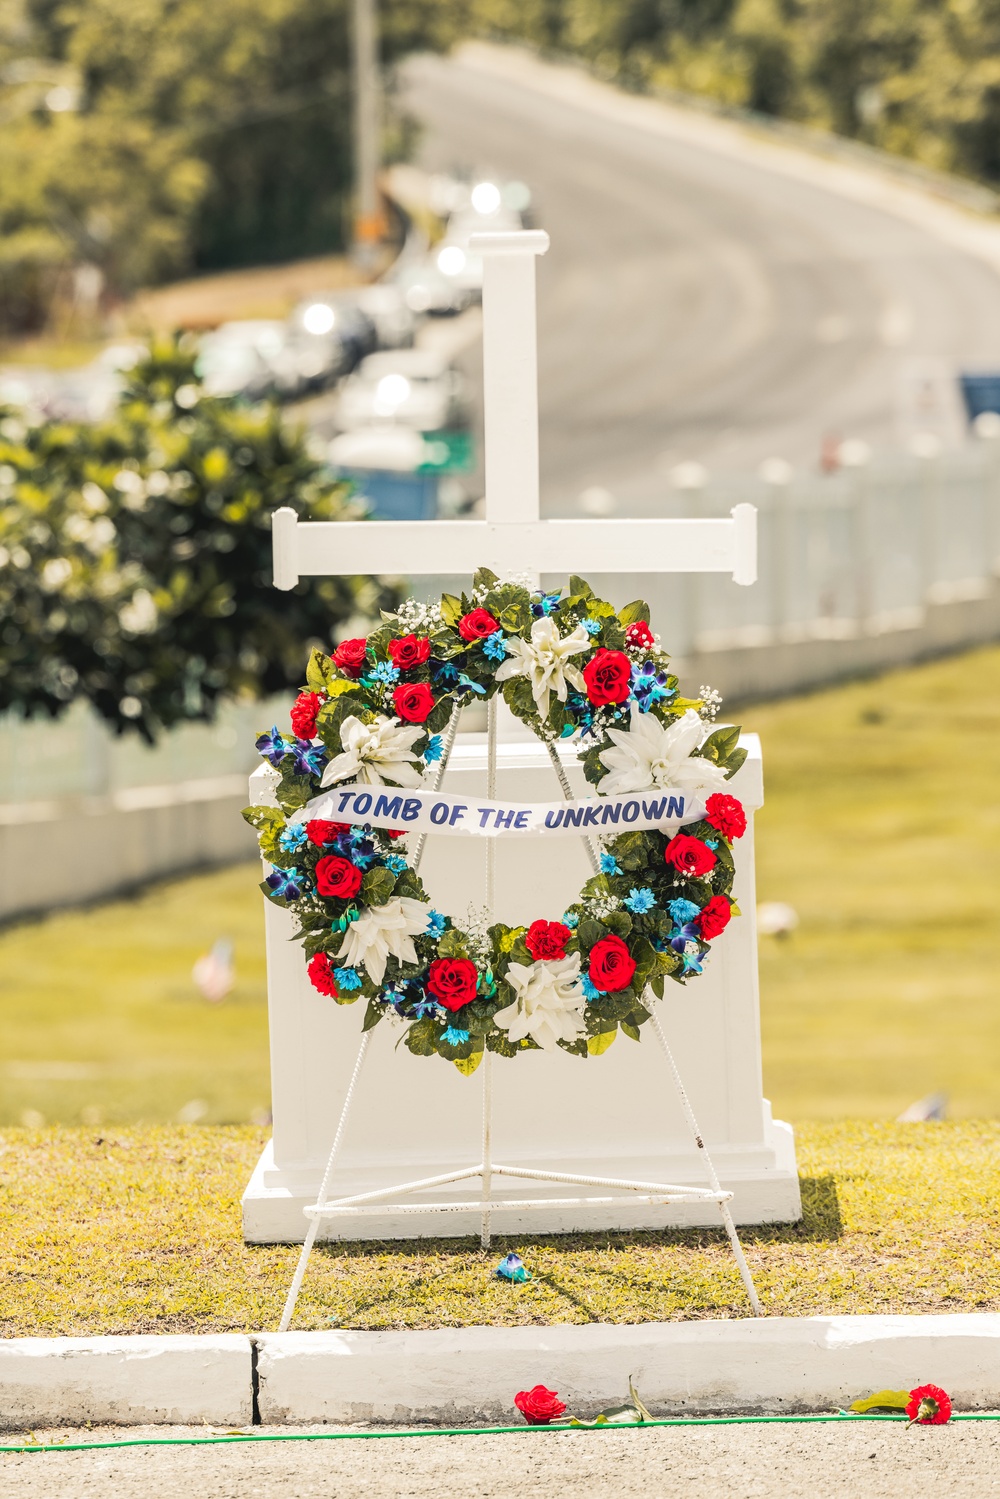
point(888, 1400)
point(580, 588)
point(340, 685)
point(453, 944)
point(468, 1065)
point(317, 671)
point(634, 612)
point(373, 1015)
point(598, 1044)
point(590, 931)
point(736, 759)
point(263, 818)
point(451, 610)
point(483, 578)
point(377, 886)
point(421, 1038)
point(632, 1031)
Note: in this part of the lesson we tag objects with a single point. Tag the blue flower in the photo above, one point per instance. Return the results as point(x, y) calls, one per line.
point(347, 978)
point(292, 837)
point(513, 1269)
point(639, 901)
point(650, 685)
point(434, 750)
point(590, 989)
point(454, 1037)
point(385, 672)
point(466, 684)
point(712, 843)
point(544, 603)
point(309, 758)
point(493, 646)
point(286, 883)
point(445, 674)
point(273, 746)
point(570, 919)
point(592, 626)
point(435, 924)
point(395, 862)
point(609, 864)
point(683, 911)
point(423, 1006)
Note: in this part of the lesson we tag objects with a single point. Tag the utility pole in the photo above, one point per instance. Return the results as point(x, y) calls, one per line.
point(368, 224)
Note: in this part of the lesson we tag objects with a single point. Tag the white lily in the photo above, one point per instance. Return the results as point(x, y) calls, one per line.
point(375, 753)
point(545, 660)
point(385, 930)
point(550, 1002)
point(652, 753)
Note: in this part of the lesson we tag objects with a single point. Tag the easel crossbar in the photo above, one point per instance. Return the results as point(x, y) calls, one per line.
point(657, 1199)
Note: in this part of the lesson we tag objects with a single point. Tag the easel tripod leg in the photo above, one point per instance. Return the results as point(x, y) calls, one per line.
point(324, 1191)
point(710, 1171)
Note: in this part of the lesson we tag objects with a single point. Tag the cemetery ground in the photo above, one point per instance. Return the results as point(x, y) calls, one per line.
point(878, 828)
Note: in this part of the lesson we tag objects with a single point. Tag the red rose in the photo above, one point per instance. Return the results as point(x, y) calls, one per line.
point(396, 832)
point(929, 1406)
point(409, 652)
point(611, 965)
point(726, 814)
point(640, 635)
point(350, 656)
point(321, 975)
point(715, 917)
point(319, 832)
point(608, 675)
point(539, 1406)
point(477, 624)
point(337, 876)
point(414, 701)
point(303, 715)
point(689, 855)
point(547, 939)
point(453, 981)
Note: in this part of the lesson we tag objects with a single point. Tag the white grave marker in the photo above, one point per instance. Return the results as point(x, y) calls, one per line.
point(616, 1118)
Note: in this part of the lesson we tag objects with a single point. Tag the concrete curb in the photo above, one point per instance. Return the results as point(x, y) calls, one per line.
point(130, 1381)
point(469, 1375)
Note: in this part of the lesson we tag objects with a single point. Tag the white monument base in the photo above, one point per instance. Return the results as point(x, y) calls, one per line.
point(616, 1115)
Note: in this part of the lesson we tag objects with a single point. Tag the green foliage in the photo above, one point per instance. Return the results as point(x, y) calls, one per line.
point(138, 556)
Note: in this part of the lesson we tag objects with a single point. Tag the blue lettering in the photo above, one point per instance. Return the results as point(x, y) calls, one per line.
point(521, 820)
point(675, 806)
point(386, 807)
point(590, 816)
point(345, 797)
point(456, 813)
point(553, 819)
point(654, 810)
point(411, 809)
point(612, 811)
point(362, 803)
point(630, 811)
point(439, 812)
point(574, 816)
point(504, 819)
point(484, 815)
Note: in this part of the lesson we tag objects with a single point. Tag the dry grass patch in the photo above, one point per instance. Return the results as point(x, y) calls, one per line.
point(138, 1230)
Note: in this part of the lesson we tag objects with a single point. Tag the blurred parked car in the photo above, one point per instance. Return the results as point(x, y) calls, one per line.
point(486, 213)
point(426, 289)
point(239, 358)
point(395, 322)
point(337, 315)
point(408, 388)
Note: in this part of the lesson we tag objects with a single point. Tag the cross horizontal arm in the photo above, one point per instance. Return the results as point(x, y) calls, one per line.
point(339, 548)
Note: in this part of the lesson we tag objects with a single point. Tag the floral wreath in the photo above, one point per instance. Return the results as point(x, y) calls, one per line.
point(570, 667)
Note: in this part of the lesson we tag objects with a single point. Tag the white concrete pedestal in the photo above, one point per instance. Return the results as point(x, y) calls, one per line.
point(615, 1115)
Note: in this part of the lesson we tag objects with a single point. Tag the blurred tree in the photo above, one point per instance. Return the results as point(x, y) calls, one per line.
point(135, 556)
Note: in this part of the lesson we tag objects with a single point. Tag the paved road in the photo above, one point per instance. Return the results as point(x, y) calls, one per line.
point(696, 305)
point(746, 1462)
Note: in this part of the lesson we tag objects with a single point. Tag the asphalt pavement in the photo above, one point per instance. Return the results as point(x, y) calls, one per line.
point(870, 1461)
point(695, 305)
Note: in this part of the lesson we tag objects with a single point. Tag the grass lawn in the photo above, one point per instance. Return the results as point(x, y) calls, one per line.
point(137, 1230)
point(882, 807)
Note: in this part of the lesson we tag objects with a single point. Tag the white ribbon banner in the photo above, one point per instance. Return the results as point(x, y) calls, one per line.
point(439, 812)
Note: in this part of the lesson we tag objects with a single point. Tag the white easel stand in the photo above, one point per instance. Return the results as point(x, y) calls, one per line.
point(657, 1194)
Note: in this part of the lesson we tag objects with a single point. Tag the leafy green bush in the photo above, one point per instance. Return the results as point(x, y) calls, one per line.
point(135, 556)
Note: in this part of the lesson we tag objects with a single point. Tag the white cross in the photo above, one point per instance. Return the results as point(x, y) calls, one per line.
point(513, 538)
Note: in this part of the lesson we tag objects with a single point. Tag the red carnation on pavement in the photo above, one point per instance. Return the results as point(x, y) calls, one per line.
point(726, 814)
point(477, 624)
point(414, 701)
point(303, 714)
point(689, 855)
point(320, 833)
point(608, 675)
point(640, 635)
point(338, 877)
point(539, 1406)
point(350, 656)
point(547, 939)
point(409, 652)
point(715, 917)
point(928, 1406)
point(453, 981)
point(611, 965)
point(321, 975)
